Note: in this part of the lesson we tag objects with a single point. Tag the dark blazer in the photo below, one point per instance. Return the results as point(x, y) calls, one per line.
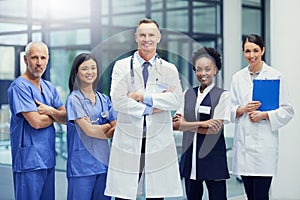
point(211, 149)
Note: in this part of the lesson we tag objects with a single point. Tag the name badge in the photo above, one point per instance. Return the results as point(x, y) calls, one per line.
point(204, 109)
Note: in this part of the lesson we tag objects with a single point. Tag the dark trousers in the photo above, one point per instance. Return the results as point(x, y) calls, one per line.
point(142, 158)
point(216, 189)
point(257, 187)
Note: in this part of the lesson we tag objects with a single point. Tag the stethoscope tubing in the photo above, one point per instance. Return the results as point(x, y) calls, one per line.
point(131, 66)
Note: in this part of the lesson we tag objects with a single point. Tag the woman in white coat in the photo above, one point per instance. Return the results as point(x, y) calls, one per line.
point(255, 146)
point(144, 125)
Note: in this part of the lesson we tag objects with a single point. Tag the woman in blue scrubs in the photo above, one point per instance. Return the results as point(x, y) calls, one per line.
point(91, 122)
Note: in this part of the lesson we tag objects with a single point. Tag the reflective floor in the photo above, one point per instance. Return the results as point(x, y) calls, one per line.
point(234, 186)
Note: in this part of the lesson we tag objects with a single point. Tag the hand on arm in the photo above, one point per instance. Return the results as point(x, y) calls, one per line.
point(37, 120)
point(249, 107)
point(169, 89)
point(93, 130)
point(179, 123)
point(110, 132)
point(211, 126)
point(156, 110)
point(59, 115)
point(139, 97)
point(257, 116)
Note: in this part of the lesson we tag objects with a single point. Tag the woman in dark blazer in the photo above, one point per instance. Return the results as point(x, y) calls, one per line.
point(206, 108)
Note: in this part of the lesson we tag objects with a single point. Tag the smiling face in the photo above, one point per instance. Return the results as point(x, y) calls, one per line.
point(253, 54)
point(205, 70)
point(87, 72)
point(147, 37)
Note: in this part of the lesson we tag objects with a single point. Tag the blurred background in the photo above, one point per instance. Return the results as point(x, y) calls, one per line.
point(106, 29)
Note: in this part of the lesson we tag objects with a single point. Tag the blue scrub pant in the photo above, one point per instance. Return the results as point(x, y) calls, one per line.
point(216, 189)
point(257, 187)
point(35, 185)
point(87, 187)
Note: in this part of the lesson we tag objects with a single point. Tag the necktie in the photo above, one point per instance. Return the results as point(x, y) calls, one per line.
point(143, 148)
point(145, 72)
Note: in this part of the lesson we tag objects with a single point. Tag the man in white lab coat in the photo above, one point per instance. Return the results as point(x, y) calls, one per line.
point(143, 155)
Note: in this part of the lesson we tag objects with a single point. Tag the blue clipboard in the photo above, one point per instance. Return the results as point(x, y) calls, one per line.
point(267, 92)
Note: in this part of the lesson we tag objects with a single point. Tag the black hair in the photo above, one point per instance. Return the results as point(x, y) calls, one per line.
point(253, 38)
point(79, 59)
point(210, 53)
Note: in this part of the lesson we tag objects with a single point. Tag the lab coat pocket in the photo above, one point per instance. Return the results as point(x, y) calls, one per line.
point(26, 159)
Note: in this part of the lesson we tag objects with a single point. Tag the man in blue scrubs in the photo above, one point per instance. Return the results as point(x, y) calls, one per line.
point(35, 105)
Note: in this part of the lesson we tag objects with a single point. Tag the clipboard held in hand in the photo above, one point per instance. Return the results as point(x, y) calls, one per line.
point(267, 92)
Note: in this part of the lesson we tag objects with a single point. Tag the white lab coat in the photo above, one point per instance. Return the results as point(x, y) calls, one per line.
point(162, 177)
point(255, 145)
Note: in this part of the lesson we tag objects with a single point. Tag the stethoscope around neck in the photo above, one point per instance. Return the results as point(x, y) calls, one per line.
point(103, 114)
point(131, 66)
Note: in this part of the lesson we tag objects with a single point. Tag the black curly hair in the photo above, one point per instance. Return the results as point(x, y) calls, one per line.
point(208, 52)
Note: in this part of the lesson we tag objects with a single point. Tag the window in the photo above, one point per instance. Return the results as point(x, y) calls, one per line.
point(206, 18)
point(252, 20)
point(7, 63)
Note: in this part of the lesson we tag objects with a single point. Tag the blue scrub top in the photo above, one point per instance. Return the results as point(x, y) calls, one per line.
point(31, 148)
point(87, 155)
